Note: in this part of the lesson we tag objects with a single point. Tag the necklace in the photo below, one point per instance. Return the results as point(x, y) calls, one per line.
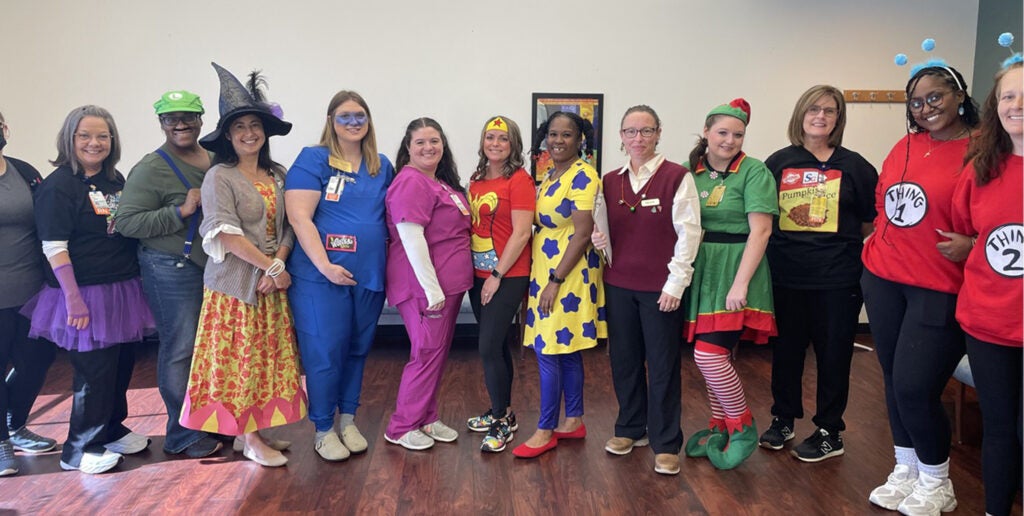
point(931, 148)
point(643, 193)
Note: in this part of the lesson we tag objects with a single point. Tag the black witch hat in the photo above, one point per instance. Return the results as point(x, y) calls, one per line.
point(237, 100)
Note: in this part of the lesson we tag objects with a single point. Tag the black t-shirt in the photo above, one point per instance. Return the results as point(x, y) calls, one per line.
point(64, 211)
point(807, 251)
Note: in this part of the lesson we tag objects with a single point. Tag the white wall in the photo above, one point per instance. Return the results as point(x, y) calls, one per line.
point(463, 60)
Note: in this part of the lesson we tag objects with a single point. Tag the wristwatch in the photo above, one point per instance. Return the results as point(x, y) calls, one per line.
point(555, 279)
point(496, 274)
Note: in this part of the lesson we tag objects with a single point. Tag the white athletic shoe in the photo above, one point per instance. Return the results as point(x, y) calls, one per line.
point(896, 488)
point(931, 496)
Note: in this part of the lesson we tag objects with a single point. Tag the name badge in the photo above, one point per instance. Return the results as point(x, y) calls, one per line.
point(344, 243)
point(716, 196)
point(458, 204)
point(99, 203)
point(334, 189)
point(647, 203)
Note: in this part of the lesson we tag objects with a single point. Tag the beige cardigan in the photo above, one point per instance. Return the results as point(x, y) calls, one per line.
point(230, 203)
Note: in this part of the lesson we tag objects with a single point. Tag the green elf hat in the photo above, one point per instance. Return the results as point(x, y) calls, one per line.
point(179, 101)
point(738, 108)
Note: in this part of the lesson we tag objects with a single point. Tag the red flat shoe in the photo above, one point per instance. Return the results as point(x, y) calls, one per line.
point(579, 433)
point(528, 452)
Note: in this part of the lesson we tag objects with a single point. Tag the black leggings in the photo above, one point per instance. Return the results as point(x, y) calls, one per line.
point(997, 376)
point(493, 321)
point(30, 359)
point(919, 344)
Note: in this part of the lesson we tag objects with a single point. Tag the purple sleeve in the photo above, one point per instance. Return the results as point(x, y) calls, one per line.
point(409, 199)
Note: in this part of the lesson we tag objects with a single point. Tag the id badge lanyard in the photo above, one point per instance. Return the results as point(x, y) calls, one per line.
point(193, 224)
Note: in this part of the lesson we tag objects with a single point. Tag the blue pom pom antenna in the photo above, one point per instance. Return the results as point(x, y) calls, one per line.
point(1005, 40)
point(927, 45)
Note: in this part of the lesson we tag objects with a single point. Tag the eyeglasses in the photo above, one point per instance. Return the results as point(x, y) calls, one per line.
point(646, 132)
point(174, 120)
point(829, 111)
point(355, 119)
point(86, 137)
point(934, 100)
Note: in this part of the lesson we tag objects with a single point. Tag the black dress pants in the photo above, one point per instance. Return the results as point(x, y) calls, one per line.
point(649, 397)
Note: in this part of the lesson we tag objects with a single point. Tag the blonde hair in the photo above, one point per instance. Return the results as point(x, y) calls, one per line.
point(329, 138)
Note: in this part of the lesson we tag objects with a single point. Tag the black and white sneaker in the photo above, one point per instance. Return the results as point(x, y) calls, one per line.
point(819, 446)
point(777, 434)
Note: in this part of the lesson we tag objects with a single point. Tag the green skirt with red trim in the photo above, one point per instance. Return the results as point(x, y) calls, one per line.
point(704, 301)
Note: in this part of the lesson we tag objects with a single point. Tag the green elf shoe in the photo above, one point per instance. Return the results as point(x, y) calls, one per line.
point(697, 444)
point(726, 451)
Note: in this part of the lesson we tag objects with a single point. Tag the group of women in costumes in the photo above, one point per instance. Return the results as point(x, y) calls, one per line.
point(248, 267)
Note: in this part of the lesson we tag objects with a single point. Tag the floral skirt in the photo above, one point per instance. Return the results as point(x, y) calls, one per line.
point(245, 367)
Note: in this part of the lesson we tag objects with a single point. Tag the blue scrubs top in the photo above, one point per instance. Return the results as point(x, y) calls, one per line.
point(351, 229)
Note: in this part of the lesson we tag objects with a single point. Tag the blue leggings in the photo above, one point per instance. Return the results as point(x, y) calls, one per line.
point(559, 374)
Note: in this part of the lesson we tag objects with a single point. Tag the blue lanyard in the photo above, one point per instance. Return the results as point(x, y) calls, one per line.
point(194, 223)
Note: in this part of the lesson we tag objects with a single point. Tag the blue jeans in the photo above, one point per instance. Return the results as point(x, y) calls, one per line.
point(175, 295)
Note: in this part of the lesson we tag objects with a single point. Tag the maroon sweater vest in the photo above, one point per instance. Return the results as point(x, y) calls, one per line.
point(643, 241)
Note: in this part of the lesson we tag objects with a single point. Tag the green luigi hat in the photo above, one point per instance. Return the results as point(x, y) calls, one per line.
point(179, 101)
point(738, 108)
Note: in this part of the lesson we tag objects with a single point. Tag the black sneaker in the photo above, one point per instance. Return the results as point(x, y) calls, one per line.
point(819, 446)
point(777, 434)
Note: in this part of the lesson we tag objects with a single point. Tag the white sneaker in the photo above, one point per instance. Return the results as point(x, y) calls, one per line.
point(330, 448)
point(896, 488)
point(439, 431)
point(412, 440)
point(94, 463)
point(129, 444)
point(353, 439)
point(930, 497)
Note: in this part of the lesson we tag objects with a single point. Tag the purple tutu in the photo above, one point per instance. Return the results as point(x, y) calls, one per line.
point(118, 313)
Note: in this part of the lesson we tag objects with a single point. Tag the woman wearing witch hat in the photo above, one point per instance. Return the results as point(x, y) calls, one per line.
point(245, 374)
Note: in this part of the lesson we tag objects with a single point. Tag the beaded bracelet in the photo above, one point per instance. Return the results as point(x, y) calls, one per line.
point(275, 268)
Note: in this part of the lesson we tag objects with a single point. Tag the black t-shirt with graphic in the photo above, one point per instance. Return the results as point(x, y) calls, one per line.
point(816, 239)
point(65, 210)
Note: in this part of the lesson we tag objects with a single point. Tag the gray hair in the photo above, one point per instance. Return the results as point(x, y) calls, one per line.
point(66, 140)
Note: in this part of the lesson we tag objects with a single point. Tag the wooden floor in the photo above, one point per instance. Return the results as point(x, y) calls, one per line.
point(576, 478)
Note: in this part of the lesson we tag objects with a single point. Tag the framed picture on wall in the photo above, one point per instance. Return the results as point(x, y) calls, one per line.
point(587, 105)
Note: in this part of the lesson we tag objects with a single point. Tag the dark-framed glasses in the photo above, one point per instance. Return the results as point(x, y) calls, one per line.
point(646, 132)
point(934, 100)
point(184, 118)
point(830, 112)
point(356, 119)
